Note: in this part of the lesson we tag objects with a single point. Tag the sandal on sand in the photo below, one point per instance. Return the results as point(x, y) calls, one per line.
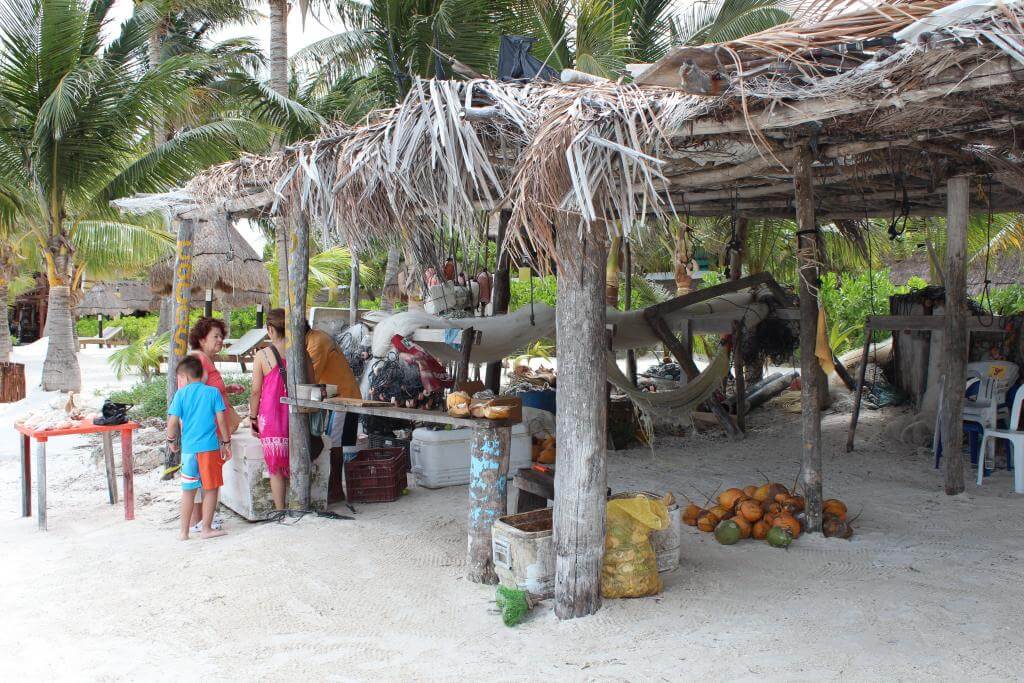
point(218, 523)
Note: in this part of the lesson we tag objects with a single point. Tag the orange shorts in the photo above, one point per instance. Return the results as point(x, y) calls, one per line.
point(211, 469)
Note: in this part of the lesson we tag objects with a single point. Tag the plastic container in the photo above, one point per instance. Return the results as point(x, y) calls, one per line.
point(666, 543)
point(540, 398)
point(381, 441)
point(523, 550)
point(376, 475)
point(441, 457)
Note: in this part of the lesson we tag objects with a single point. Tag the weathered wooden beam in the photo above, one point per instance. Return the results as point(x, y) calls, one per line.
point(706, 293)
point(992, 74)
point(244, 204)
point(181, 295)
point(933, 323)
point(630, 353)
point(500, 294)
point(859, 392)
point(353, 289)
point(581, 476)
point(954, 336)
point(466, 349)
point(807, 258)
point(297, 250)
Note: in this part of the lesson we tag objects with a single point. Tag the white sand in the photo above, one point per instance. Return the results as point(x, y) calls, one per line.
point(931, 587)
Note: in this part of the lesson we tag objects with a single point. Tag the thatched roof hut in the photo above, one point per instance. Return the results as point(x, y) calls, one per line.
point(1004, 269)
point(223, 261)
point(888, 115)
point(122, 297)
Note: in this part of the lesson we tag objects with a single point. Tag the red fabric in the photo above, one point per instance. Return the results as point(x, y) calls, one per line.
point(432, 373)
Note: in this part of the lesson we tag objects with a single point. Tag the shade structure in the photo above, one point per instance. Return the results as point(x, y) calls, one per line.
point(221, 261)
point(120, 297)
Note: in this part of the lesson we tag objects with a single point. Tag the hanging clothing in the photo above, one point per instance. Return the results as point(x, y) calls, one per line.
point(449, 271)
point(330, 365)
point(483, 280)
point(273, 417)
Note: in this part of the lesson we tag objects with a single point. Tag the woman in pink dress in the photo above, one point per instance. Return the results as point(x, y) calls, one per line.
point(271, 416)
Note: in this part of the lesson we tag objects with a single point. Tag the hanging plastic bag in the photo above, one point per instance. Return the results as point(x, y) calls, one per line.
point(630, 567)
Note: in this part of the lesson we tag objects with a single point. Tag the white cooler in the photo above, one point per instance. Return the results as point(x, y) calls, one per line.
point(246, 487)
point(441, 457)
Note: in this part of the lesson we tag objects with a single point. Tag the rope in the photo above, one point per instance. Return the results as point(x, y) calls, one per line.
point(986, 291)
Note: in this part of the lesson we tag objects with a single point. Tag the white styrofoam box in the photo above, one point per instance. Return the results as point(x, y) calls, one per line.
point(441, 457)
point(246, 487)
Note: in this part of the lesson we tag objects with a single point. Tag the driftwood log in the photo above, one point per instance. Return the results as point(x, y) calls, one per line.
point(807, 257)
point(954, 336)
point(297, 250)
point(181, 296)
point(581, 476)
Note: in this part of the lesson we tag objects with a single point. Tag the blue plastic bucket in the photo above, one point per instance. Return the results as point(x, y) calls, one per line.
point(541, 398)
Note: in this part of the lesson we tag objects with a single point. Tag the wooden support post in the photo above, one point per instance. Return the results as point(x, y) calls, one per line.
point(466, 351)
point(859, 391)
point(807, 251)
point(581, 475)
point(353, 291)
point(128, 472)
point(736, 253)
point(181, 291)
point(488, 486)
point(297, 253)
point(26, 476)
point(630, 353)
point(954, 335)
point(41, 484)
point(501, 293)
point(108, 463)
point(740, 379)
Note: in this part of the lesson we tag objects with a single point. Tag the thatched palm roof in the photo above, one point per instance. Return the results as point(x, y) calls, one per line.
point(122, 297)
point(222, 261)
point(1004, 268)
point(888, 110)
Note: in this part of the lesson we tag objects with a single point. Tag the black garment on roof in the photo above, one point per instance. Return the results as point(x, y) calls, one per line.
point(515, 63)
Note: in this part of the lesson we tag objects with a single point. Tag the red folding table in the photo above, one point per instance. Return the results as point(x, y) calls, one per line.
point(81, 427)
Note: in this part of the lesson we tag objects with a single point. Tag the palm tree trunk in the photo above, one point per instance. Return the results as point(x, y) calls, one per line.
point(60, 369)
point(391, 294)
point(155, 48)
point(5, 328)
point(612, 272)
point(279, 46)
point(279, 84)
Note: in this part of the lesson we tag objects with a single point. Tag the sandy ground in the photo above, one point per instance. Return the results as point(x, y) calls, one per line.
point(929, 588)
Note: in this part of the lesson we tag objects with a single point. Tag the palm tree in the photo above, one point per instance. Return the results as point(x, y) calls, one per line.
point(75, 117)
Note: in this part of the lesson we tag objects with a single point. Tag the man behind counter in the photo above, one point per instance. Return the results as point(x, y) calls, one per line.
point(331, 367)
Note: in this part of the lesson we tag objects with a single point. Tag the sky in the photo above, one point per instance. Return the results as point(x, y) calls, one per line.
point(299, 36)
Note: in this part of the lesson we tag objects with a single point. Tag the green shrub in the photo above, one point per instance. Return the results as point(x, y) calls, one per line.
point(150, 397)
point(1005, 300)
point(545, 290)
point(135, 328)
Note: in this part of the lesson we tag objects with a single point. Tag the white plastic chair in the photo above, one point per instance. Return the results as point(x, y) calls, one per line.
point(995, 378)
point(1015, 436)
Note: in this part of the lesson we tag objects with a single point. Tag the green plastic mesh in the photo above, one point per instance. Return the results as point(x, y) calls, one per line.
point(513, 605)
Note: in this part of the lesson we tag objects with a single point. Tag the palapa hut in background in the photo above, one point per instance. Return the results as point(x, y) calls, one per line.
point(224, 264)
point(121, 297)
point(901, 108)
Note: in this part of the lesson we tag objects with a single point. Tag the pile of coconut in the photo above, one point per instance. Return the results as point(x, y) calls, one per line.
point(766, 513)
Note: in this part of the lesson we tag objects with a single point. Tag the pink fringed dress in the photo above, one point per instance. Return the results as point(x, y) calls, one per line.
point(273, 422)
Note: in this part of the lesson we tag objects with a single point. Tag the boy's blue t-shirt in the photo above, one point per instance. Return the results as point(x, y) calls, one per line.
point(197, 405)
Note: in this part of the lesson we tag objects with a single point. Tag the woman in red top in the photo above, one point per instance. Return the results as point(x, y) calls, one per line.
point(206, 339)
